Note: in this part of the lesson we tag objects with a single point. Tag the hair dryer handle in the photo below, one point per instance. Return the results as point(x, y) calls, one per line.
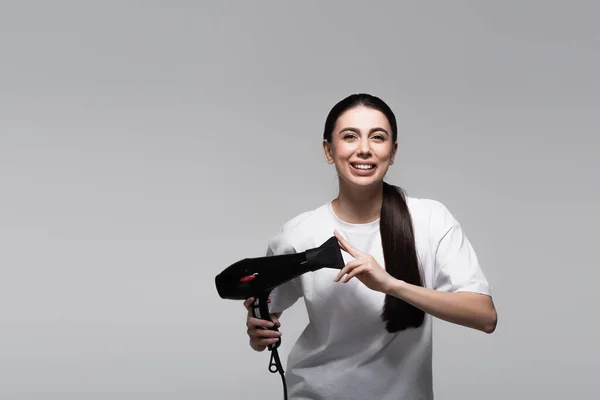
point(260, 309)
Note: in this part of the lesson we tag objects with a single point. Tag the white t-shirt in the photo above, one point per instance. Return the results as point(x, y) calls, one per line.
point(345, 351)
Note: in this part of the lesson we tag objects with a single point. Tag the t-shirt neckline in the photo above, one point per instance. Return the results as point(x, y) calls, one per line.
point(367, 227)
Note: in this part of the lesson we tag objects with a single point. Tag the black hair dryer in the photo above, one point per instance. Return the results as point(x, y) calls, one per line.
point(257, 277)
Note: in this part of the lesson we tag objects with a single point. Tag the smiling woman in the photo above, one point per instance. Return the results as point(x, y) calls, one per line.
point(362, 131)
point(407, 261)
point(363, 142)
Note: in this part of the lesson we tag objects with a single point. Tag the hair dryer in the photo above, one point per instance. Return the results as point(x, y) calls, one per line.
point(257, 277)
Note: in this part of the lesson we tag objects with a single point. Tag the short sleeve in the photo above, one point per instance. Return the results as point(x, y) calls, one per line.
point(285, 295)
point(456, 267)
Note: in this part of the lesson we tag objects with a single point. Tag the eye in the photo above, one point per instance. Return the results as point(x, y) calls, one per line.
point(348, 136)
point(379, 137)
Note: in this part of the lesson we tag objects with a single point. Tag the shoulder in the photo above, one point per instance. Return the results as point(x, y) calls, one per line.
point(431, 214)
point(295, 229)
point(420, 207)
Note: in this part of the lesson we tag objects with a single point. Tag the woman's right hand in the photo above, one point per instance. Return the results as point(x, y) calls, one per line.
point(260, 338)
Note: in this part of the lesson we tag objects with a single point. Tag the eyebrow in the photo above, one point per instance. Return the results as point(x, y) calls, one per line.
point(355, 130)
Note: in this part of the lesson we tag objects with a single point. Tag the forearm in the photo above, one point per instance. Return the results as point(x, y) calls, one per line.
point(473, 310)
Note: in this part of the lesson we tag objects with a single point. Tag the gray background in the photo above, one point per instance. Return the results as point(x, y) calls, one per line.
point(145, 146)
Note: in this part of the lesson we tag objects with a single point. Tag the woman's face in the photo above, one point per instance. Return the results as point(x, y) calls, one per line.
point(361, 147)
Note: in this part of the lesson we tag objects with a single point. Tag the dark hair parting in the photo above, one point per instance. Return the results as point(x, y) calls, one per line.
point(396, 228)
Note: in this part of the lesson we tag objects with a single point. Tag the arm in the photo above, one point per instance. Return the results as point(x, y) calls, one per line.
point(462, 304)
point(460, 292)
point(470, 309)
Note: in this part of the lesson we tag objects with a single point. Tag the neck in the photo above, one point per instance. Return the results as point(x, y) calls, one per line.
point(358, 205)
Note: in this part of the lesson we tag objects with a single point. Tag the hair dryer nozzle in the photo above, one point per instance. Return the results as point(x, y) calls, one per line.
point(328, 255)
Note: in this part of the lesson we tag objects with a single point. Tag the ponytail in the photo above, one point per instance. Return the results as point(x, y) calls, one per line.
point(400, 256)
point(397, 237)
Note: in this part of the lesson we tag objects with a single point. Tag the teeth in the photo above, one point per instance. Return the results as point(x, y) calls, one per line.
point(361, 166)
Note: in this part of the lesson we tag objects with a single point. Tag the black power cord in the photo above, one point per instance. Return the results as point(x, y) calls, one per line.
point(276, 366)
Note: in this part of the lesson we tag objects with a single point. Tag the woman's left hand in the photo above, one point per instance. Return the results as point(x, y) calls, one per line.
point(364, 267)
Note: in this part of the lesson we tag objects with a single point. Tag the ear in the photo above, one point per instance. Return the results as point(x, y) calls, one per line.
point(394, 151)
point(328, 152)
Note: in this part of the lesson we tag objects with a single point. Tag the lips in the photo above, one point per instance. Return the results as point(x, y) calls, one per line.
point(363, 169)
point(363, 166)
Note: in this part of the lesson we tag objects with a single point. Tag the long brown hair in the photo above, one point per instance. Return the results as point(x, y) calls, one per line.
point(396, 228)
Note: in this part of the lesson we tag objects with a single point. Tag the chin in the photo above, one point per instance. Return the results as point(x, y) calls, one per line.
point(363, 181)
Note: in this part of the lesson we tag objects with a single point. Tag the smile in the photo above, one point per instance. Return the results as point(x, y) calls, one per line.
point(365, 167)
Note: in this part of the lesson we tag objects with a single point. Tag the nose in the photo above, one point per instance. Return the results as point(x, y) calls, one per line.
point(364, 147)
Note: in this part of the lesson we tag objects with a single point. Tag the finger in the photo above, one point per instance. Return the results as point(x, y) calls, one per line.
point(343, 243)
point(349, 267)
point(342, 246)
point(263, 342)
point(275, 320)
point(354, 272)
point(263, 333)
point(248, 303)
point(347, 246)
point(259, 322)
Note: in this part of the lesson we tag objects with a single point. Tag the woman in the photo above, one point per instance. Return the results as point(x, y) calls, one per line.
point(407, 260)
